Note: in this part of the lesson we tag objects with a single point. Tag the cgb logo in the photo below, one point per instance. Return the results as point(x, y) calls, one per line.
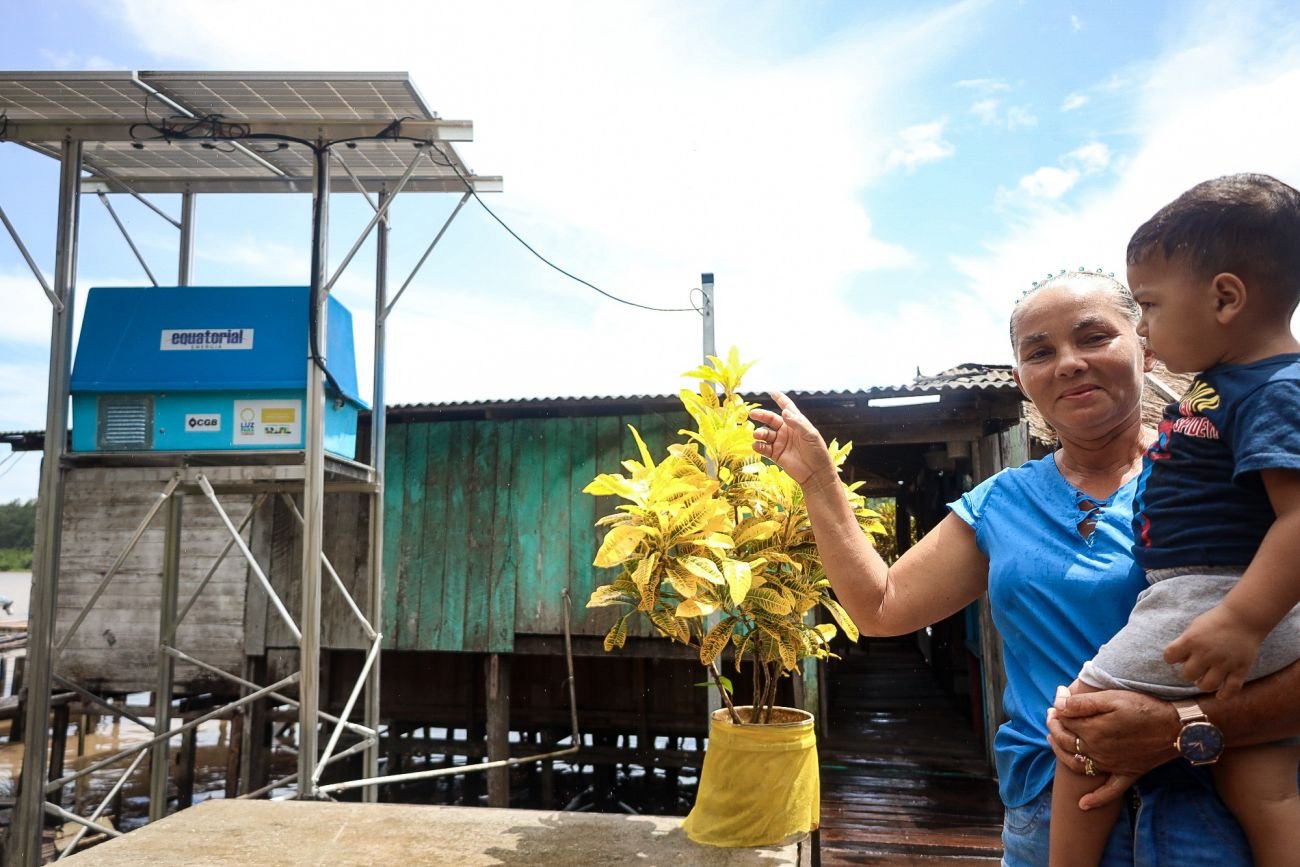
point(203, 423)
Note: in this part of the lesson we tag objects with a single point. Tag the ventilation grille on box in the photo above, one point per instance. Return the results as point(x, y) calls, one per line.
point(125, 423)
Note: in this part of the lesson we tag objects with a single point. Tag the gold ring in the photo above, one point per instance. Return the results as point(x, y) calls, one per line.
point(1078, 747)
point(1089, 767)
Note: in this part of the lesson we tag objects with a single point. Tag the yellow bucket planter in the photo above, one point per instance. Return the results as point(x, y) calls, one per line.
point(760, 784)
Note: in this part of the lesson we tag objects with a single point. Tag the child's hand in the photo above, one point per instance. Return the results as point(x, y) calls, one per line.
point(1216, 652)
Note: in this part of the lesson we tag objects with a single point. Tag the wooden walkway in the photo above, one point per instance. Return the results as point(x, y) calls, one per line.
point(904, 780)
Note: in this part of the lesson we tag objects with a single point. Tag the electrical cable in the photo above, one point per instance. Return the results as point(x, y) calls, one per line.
point(449, 164)
point(14, 464)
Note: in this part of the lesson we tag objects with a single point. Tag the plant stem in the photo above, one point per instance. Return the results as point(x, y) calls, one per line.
point(726, 699)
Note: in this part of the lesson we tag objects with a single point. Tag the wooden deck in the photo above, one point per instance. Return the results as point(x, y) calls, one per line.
point(904, 780)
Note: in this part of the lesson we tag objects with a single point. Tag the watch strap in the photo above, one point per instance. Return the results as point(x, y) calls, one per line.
point(1189, 711)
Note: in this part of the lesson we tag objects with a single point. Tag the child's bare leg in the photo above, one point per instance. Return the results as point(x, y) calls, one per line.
point(1259, 786)
point(1079, 837)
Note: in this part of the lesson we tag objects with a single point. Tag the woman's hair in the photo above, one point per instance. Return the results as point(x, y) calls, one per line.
point(1116, 291)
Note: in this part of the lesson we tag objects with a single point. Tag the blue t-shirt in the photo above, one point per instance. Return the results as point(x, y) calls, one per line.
point(1200, 500)
point(1055, 597)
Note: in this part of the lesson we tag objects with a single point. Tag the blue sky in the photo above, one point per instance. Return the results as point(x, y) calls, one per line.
point(872, 183)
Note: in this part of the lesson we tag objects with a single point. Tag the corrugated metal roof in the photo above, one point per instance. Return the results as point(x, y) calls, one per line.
point(964, 377)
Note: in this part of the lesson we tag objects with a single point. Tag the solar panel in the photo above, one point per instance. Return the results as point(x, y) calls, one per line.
point(293, 95)
point(69, 96)
point(41, 107)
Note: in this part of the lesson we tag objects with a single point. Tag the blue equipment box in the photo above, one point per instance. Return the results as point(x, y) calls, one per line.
point(207, 369)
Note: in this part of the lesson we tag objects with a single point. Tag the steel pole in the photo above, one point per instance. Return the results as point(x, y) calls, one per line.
point(378, 437)
point(706, 287)
point(30, 813)
point(313, 489)
point(160, 755)
point(185, 256)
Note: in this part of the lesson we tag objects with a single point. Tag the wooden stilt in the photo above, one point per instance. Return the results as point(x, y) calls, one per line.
point(234, 754)
point(185, 777)
point(498, 728)
point(20, 718)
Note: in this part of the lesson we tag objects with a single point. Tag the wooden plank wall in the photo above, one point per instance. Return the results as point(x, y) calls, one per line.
point(486, 524)
point(116, 648)
point(277, 542)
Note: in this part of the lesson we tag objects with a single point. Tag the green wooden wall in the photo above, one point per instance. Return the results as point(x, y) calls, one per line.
point(485, 524)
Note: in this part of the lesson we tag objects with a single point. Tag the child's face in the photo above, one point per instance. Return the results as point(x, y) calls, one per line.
point(1178, 314)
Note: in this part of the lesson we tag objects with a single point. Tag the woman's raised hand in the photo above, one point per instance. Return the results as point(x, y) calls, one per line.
point(793, 443)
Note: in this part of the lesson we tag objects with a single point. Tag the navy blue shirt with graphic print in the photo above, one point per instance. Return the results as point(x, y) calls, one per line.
point(1200, 500)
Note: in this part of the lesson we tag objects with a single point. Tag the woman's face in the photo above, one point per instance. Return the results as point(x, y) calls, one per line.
point(1078, 358)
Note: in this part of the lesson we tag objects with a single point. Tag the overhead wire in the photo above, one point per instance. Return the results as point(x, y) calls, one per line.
point(20, 455)
point(448, 163)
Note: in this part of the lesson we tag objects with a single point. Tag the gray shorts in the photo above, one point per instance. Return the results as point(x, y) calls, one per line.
point(1134, 658)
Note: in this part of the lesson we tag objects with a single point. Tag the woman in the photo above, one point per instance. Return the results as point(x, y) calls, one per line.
point(1050, 544)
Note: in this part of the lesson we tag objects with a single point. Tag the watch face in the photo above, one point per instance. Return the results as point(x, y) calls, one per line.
point(1200, 743)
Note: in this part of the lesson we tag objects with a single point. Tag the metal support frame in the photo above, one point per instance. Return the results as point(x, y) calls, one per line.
point(31, 263)
point(30, 809)
point(378, 437)
point(25, 839)
point(159, 760)
point(313, 489)
point(103, 199)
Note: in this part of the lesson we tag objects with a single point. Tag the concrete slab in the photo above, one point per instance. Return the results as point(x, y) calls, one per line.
point(291, 833)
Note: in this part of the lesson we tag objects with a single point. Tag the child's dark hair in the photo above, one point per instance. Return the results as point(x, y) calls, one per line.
point(1246, 224)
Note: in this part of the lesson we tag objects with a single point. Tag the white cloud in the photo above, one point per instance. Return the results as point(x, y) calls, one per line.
point(1074, 101)
point(990, 112)
point(986, 110)
point(1075, 23)
point(1053, 182)
point(984, 85)
point(1019, 117)
point(1090, 158)
point(920, 144)
point(1048, 182)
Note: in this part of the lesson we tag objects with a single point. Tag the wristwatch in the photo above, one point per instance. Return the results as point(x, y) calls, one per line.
point(1199, 741)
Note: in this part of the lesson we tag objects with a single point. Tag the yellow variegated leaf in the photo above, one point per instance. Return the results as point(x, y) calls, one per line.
point(716, 640)
point(715, 542)
point(769, 600)
point(682, 581)
point(617, 635)
point(702, 567)
point(647, 581)
point(755, 531)
point(825, 631)
point(608, 594)
point(614, 518)
point(620, 545)
point(842, 618)
point(644, 570)
point(670, 626)
point(641, 447)
point(787, 647)
point(695, 607)
point(611, 484)
point(738, 577)
point(743, 644)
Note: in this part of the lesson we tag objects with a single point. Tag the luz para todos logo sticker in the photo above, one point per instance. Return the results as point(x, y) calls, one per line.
point(267, 422)
point(206, 338)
